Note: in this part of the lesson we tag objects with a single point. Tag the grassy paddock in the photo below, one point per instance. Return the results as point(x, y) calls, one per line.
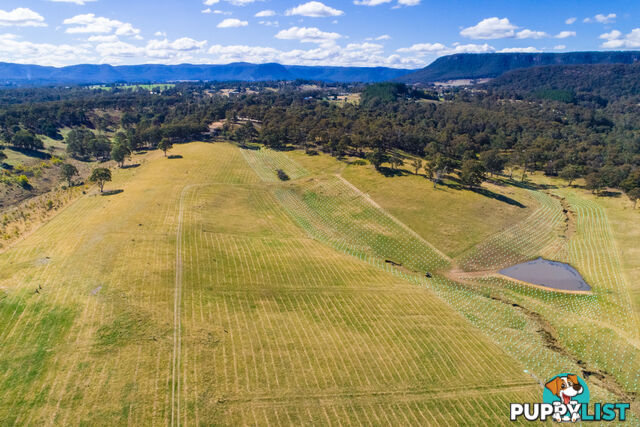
point(193, 295)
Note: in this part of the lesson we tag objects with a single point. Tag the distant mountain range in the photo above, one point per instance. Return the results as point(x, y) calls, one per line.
point(489, 65)
point(18, 74)
point(460, 66)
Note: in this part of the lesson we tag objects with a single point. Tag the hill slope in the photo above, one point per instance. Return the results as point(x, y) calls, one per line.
point(474, 66)
point(19, 74)
point(192, 295)
point(608, 82)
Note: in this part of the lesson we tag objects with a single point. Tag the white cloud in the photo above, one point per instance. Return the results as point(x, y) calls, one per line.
point(615, 39)
point(490, 28)
point(615, 34)
point(529, 34)
point(571, 20)
point(469, 48)
point(353, 54)
point(215, 12)
point(314, 9)
point(308, 35)
point(210, 2)
point(232, 23)
point(423, 48)
point(119, 49)
point(370, 2)
point(408, 3)
point(383, 37)
point(103, 39)
point(181, 44)
point(565, 34)
point(439, 49)
point(160, 34)
point(529, 49)
point(602, 19)
point(21, 17)
point(560, 47)
point(91, 24)
point(265, 13)
point(13, 49)
point(269, 23)
point(165, 49)
point(78, 2)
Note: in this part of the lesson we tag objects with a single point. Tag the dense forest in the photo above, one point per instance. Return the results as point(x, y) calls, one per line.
point(591, 130)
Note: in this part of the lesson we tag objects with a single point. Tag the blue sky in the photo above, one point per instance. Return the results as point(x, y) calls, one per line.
point(394, 33)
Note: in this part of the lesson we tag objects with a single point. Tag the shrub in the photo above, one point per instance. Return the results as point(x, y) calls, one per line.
point(282, 175)
point(23, 182)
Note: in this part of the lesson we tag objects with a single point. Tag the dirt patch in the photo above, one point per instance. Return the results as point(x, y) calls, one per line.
point(550, 340)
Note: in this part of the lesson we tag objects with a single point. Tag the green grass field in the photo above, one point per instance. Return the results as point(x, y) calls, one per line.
point(209, 292)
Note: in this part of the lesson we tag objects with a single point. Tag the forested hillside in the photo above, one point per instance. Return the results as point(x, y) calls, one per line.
point(572, 83)
point(474, 132)
point(475, 66)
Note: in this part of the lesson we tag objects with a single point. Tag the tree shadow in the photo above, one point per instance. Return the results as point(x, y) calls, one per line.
point(389, 173)
point(134, 165)
point(496, 196)
point(528, 185)
point(174, 156)
point(610, 193)
point(111, 192)
point(32, 153)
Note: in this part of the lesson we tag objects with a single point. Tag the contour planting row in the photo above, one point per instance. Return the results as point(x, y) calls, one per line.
point(600, 327)
point(514, 329)
point(346, 217)
point(521, 242)
point(287, 320)
point(266, 163)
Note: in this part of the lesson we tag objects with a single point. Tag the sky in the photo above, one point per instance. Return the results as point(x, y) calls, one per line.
point(392, 33)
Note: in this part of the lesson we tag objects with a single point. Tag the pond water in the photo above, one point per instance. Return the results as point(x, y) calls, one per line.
point(551, 274)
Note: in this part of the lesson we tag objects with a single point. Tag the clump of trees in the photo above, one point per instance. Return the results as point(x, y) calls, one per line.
point(26, 140)
point(85, 145)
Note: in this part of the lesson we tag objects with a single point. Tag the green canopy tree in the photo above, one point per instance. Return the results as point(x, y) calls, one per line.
point(417, 165)
point(165, 145)
point(594, 182)
point(377, 157)
point(570, 173)
point(472, 173)
point(100, 176)
point(492, 161)
point(67, 172)
point(119, 153)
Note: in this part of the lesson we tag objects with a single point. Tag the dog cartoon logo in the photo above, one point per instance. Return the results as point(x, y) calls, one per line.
point(566, 392)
